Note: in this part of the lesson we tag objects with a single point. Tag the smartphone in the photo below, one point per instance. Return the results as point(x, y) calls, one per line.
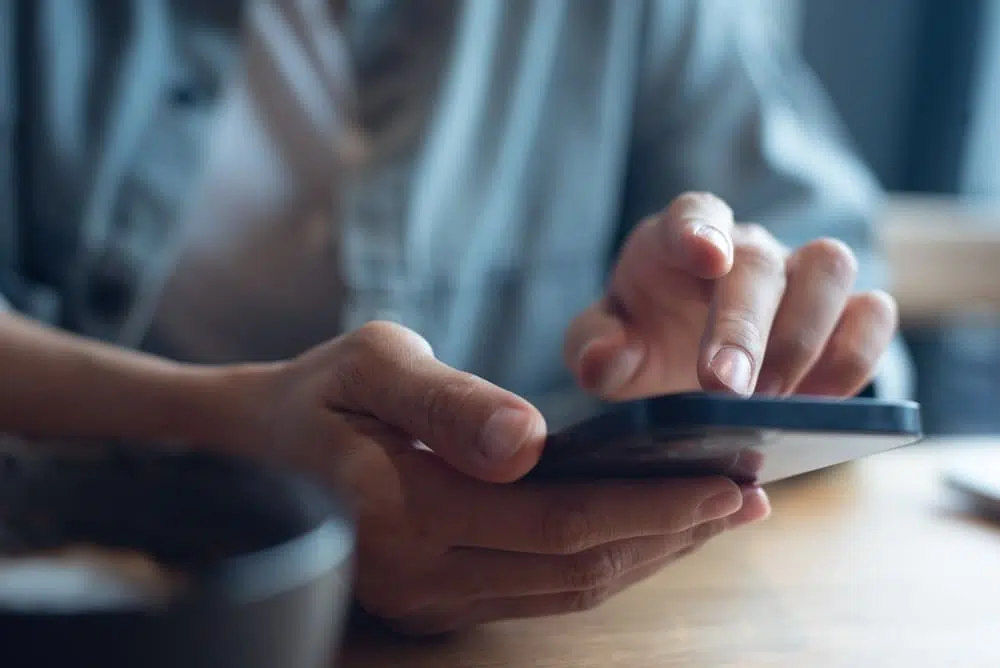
point(750, 440)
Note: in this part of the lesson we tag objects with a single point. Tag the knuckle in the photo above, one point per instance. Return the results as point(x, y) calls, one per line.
point(795, 349)
point(445, 404)
point(376, 339)
point(359, 355)
point(880, 306)
point(851, 361)
point(739, 327)
point(754, 231)
point(762, 255)
point(756, 234)
point(587, 599)
point(833, 259)
point(566, 528)
point(362, 347)
point(694, 202)
point(596, 568)
point(366, 352)
point(372, 335)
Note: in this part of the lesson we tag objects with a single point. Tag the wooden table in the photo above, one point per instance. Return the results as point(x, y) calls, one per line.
point(871, 564)
point(943, 255)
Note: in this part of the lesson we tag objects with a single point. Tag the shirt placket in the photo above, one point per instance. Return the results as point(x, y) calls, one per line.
point(373, 252)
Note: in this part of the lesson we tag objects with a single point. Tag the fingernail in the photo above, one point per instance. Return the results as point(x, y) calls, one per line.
point(769, 384)
point(620, 370)
point(504, 434)
point(719, 506)
point(732, 366)
point(713, 236)
point(756, 508)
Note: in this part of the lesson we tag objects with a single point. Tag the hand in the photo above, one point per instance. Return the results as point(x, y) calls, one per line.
point(420, 448)
point(697, 302)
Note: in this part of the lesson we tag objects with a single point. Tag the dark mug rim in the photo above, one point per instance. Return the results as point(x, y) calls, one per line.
point(325, 544)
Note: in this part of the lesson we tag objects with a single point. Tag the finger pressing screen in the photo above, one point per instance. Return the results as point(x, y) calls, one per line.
point(743, 309)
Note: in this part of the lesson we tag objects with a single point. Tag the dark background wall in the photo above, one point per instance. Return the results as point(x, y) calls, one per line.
point(864, 52)
point(904, 75)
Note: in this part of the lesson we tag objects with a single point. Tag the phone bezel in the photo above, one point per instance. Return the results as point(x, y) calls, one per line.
point(642, 438)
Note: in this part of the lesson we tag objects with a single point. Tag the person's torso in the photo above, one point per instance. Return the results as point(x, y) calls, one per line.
point(485, 223)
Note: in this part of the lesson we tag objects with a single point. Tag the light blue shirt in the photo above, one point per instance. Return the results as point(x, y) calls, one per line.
point(510, 146)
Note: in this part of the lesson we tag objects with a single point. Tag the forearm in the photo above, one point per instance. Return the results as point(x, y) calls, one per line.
point(55, 385)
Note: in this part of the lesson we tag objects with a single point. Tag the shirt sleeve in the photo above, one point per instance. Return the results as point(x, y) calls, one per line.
point(722, 106)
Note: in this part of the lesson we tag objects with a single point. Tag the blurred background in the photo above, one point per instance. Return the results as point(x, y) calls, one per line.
point(918, 88)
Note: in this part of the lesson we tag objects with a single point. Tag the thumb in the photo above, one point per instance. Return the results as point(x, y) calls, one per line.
point(599, 351)
point(482, 430)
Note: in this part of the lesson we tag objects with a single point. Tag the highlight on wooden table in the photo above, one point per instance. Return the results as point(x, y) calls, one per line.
point(877, 562)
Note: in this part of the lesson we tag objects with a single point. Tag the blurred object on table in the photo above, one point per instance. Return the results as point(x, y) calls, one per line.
point(944, 256)
point(975, 477)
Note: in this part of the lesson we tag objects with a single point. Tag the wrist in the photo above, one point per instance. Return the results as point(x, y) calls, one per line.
point(220, 407)
point(61, 387)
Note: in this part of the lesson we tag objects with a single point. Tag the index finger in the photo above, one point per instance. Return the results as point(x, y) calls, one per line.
point(743, 308)
point(695, 234)
point(568, 518)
